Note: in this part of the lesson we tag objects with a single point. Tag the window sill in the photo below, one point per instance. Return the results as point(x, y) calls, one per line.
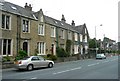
point(53, 36)
point(41, 35)
point(41, 54)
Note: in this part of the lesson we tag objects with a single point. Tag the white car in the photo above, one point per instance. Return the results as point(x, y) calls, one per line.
point(100, 56)
point(32, 62)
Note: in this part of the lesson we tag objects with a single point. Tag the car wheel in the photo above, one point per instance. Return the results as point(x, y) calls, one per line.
point(30, 67)
point(50, 65)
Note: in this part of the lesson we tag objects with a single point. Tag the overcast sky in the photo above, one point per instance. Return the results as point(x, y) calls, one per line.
point(92, 12)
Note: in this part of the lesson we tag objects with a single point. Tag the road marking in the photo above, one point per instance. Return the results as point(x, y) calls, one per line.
point(67, 70)
point(106, 61)
point(93, 64)
point(113, 60)
point(34, 78)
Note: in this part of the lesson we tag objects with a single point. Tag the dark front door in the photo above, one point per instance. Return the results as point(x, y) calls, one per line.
point(52, 48)
point(25, 47)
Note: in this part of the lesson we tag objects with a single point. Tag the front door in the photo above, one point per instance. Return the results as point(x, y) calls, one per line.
point(52, 49)
point(25, 47)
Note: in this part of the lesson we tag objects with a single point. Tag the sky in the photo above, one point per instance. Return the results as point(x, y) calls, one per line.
point(91, 12)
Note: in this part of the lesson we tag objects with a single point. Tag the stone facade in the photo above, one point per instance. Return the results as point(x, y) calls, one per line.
point(38, 34)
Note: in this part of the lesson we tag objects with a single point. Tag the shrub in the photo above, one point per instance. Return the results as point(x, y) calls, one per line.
point(21, 55)
point(68, 47)
point(48, 55)
point(7, 58)
point(61, 52)
point(51, 57)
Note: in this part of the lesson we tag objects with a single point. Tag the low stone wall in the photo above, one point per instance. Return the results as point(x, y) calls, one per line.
point(65, 59)
point(7, 65)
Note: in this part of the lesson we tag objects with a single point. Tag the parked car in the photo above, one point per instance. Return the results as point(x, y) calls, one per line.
point(31, 62)
point(100, 56)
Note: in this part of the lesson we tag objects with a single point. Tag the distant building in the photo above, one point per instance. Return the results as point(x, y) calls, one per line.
point(109, 44)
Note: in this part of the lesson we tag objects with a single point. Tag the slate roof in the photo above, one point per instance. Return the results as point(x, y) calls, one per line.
point(58, 23)
point(80, 28)
point(15, 9)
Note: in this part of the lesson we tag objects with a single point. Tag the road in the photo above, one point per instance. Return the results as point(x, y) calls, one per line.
point(81, 69)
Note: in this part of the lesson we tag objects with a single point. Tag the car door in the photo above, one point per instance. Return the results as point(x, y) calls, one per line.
point(43, 62)
point(35, 61)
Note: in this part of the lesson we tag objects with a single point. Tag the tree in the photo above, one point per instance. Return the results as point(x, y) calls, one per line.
point(93, 42)
point(68, 46)
point(92, 46)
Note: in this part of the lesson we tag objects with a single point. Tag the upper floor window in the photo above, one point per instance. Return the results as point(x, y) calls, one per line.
point(41, 29)
point(81, 38)
point(62, 34)
point(85, 38)
point(26, 26)
point(5, 21)
point(85, 31)
point(41, 19)
point(53, 31)
point(70, 35)
point(76, 36)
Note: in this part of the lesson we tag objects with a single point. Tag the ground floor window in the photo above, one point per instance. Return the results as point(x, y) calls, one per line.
point(76, 49)
point(6, 46)
point(86, 49)
point(62, 46)
point(41, 48)
point(81, 49)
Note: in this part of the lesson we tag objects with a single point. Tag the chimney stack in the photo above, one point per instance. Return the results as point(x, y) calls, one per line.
point(73, 23)
point(63, 18)
point(29, 8)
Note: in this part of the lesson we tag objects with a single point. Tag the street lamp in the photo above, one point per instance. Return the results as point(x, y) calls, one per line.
point(96, 40)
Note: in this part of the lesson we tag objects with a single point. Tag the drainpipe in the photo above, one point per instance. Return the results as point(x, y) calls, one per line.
point(57, 36)
point(18, 33)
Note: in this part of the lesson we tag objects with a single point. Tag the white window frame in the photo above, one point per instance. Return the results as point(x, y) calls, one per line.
point(76, 36)
point(85, 38)
point(63, 34)
point(41, 32)
point(81, 49)
point(70, 35)
point(53, 31)
point(76, 49)
point(85, 31)
point(41, 19)
point(11, 47)
point(25, 24)
point(41, 50)
point(81, 38)
point(5, 22)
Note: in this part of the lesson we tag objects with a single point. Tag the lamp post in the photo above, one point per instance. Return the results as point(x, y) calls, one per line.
point(96, 40)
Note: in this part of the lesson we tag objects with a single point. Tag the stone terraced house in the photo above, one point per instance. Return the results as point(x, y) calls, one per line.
point(34, 32)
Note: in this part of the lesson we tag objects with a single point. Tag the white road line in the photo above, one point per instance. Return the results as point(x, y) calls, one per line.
point(93, 64)
point(106, 61)
point(67, 70)
point(34, 78)
point(113, 60)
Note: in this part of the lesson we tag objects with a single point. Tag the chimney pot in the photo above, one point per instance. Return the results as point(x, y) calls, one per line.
point(29, 5)
point(29, 8)
point(63, 18)
point(73, 23)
